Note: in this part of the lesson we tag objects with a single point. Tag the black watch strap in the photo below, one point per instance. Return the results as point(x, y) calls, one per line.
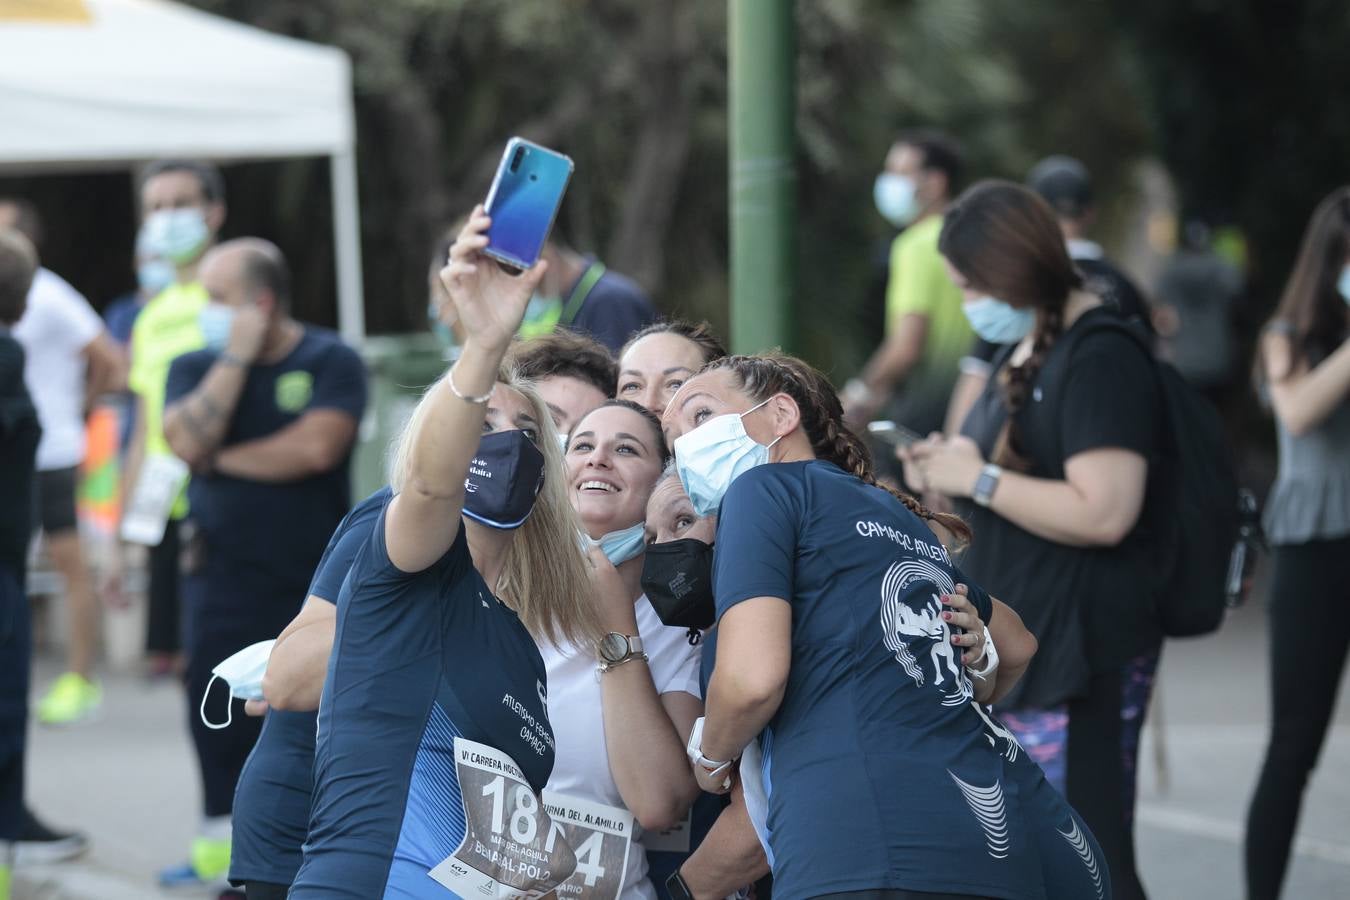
point(676, 887)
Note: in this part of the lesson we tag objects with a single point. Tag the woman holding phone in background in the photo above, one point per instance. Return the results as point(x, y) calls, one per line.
point(1052, 463)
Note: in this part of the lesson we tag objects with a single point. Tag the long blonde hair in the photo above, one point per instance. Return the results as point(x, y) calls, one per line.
point(544, 574)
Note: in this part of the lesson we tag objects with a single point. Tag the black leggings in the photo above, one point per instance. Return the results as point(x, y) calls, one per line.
point(1309, 634)
point(261, 890)
point(1100, 775)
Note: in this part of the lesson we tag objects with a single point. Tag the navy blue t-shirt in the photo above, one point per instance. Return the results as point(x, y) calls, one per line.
point(614, 310)
point(880, 769)
point(275, 530)
point(418, 660)
point(271, 802)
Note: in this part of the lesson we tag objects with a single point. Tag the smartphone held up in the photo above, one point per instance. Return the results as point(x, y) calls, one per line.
point(523, 202)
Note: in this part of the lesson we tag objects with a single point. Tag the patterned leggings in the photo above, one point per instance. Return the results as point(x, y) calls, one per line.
point(1087, 749)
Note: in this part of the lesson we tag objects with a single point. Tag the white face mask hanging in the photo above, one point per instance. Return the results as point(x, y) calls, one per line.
point(243, 672)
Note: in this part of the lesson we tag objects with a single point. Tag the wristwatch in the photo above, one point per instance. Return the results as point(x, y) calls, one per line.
point(986, 484)
point(616, 649)
point(676, 887)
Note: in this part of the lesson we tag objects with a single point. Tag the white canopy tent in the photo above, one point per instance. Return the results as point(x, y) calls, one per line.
point(98, 83)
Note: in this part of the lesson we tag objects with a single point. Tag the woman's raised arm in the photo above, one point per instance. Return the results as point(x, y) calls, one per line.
point(424, 518)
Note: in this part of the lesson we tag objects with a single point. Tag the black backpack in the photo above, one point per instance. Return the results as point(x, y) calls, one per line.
point(1193, 502)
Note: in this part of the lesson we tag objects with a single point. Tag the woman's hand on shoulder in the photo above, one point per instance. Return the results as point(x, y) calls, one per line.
point(961, 613)
point(490, 301)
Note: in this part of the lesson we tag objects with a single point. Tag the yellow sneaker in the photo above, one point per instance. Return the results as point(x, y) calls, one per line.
point(72, 697)
point(210, 858)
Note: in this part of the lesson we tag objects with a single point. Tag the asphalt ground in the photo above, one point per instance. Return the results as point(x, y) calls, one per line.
point(127, 779)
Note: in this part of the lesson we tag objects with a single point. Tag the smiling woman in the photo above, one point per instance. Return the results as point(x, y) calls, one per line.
point(621, 736)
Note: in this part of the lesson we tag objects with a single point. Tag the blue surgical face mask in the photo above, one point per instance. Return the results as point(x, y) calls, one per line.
point(618, 546)
point(896, 198)
point(997, 322)
point(1343, 284)
point(176, 235)
point(215, 321)
point(243, 672)
point(154, 275)
point(715, 454)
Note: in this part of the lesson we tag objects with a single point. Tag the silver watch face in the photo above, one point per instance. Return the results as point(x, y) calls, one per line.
point(613, 647)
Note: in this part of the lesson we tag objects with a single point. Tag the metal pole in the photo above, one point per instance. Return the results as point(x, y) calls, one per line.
point(762, 51)
point(347, 248)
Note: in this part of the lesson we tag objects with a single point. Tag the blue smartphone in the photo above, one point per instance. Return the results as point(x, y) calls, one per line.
point(523, 201)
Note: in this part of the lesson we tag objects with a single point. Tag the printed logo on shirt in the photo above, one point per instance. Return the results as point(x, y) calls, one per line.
point(870, 529)
point(918, 635)
point(990, 811)
point(294, 390)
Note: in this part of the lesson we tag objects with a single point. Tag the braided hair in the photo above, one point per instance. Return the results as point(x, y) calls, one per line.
point(822, 421)
point(1004, 240)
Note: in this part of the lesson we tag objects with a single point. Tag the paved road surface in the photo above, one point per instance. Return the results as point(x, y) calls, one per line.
point(128, 780)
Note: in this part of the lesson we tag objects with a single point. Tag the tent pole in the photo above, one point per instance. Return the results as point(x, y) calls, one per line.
point(347, 247)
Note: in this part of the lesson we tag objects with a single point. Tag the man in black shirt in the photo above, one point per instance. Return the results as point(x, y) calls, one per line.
point(19, 433)
point(265, 415)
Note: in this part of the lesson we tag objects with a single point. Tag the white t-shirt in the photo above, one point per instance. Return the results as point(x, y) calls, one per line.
point(581, 762)
point(56, 327)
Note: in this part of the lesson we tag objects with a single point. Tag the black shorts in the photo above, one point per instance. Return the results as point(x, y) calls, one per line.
point(54, 500)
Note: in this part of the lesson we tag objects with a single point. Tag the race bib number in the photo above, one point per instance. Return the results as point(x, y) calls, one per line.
point(601, 837)
point(511, 847)
point(674, 839)
point(161, 480)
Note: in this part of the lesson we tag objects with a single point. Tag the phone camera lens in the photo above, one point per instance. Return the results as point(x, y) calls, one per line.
point(534, 177)
point(516, 158)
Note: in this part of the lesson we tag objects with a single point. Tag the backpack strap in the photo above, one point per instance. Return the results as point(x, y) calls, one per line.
point(1100, 324)
point(589, 279)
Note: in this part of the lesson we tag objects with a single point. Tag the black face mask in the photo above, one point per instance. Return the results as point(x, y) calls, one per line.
point(504, 477)
point(677, 578)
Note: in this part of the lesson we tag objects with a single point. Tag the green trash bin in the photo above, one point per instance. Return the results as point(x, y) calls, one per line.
point(400, 367)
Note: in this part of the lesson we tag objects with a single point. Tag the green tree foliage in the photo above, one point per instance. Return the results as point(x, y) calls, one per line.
point(636, 93)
